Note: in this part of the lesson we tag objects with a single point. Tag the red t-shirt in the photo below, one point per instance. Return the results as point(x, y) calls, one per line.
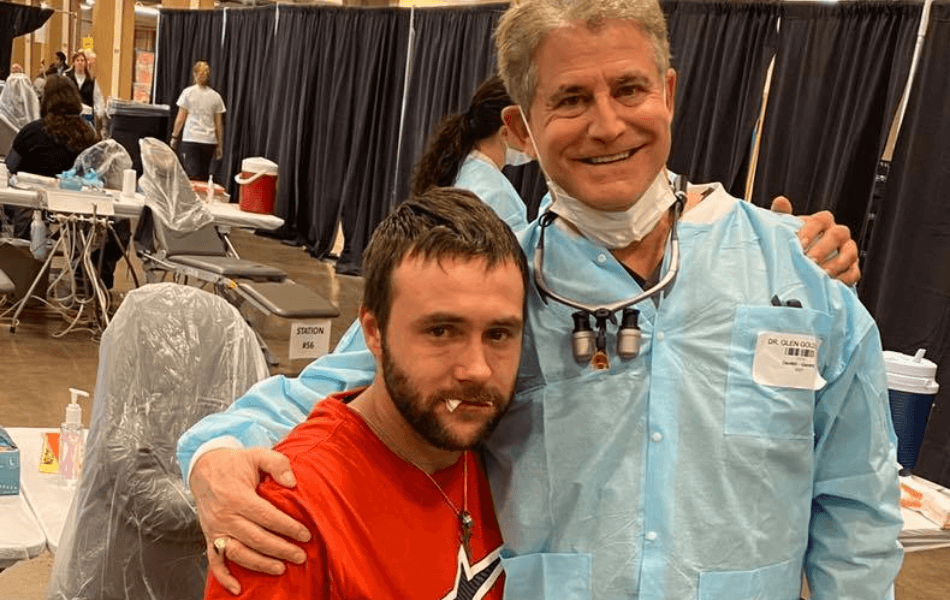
point(380, 527)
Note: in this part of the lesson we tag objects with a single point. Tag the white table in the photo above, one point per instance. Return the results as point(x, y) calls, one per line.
point(48, 495)
point(21, 536)
point(920, 533)
point(224, 214)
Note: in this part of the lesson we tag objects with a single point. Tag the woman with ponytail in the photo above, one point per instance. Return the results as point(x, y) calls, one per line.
point(468, 150)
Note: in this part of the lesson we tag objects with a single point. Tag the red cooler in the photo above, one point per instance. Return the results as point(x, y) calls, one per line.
point(258, 180)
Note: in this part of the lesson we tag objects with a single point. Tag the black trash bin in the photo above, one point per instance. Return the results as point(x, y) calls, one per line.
point(131, 121)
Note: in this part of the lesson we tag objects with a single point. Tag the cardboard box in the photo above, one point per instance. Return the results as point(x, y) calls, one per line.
point(9, 465)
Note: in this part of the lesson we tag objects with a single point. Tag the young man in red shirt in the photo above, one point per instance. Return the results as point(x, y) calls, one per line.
point(389, 482)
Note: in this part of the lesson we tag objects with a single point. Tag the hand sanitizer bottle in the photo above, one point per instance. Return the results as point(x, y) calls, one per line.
point(71, 440)
point(38, 236)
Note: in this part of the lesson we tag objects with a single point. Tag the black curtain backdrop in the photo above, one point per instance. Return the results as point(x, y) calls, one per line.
point(907, 273)
point(246, 64)
point(184, 38)
point(17, 20)
point(838, 76)
point(721, 52)
point(335, 135)
point(452, 53)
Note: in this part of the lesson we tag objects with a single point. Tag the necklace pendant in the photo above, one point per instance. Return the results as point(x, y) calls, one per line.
point(467, 523)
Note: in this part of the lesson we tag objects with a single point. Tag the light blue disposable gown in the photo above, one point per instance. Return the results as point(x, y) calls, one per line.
point(483, 178)
point(673, 475)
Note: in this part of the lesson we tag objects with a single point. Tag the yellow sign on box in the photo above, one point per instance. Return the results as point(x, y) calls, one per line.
point(49, 458)
point(87, 43)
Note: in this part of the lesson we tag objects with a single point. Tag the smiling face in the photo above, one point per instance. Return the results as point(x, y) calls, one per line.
point(454, 333)
point(601, 113)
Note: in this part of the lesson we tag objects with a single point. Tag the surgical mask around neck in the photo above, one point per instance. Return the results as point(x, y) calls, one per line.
point(515, 157)
point(616, 229)
point(611, 229)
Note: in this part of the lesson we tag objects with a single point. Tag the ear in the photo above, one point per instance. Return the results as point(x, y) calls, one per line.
point(670, 90)
point(511, 115)
point(371, 332)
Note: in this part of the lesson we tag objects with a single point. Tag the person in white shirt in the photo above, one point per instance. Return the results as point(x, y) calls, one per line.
point(199, 125)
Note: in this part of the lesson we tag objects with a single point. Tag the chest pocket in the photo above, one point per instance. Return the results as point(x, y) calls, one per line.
point(756, 409)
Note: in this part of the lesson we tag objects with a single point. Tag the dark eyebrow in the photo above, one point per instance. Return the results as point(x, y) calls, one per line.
point(454, 319)
point(512, 323)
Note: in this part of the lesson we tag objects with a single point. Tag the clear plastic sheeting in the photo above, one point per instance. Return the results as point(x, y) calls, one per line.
point(19, 103)
point(108, 159)
point(171, 355)
point(168, 190)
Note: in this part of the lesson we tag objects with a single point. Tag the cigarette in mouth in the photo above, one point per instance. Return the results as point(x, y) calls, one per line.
point(452, 404)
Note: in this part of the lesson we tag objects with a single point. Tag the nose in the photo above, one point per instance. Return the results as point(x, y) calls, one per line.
point(606, 123)
point(472, 362)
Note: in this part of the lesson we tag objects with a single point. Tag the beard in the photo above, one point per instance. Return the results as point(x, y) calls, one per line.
point(421, 410)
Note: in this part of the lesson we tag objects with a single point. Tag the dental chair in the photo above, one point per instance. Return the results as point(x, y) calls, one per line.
point(175, 237)
point(19, 105)
point(171, 355)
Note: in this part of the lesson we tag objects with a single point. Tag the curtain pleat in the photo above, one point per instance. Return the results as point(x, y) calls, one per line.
point(246, 65)
point(907, 272)
point(17, 20)
point(721, 52)
point(452, 54)
point(838, 75)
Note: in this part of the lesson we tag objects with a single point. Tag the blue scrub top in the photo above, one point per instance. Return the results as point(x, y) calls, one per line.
point(679, 473)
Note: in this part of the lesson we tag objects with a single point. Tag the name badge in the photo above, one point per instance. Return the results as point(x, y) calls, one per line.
point(787, 360)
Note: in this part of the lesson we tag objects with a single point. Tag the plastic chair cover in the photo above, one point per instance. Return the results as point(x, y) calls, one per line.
point(108, 159)
point(18, 100)
point(171, 355)
point(168, 190)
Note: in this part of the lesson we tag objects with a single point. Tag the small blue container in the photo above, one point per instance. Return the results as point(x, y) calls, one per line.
point(9, 465)
point(912, 386)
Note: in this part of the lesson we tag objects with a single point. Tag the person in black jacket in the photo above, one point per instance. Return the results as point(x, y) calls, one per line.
point(87, 85)
point(50, 145)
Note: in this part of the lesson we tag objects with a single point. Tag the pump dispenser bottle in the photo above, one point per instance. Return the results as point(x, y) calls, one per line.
point(71, 448)
point(38, 246)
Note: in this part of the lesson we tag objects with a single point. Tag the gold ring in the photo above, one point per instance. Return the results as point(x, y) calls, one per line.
point(220, 544)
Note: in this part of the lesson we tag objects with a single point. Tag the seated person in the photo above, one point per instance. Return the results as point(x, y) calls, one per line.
point(397, 501)
point(50, 145)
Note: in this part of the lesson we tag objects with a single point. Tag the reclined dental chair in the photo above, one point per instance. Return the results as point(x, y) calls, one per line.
point(175, 237)
point(171, 355)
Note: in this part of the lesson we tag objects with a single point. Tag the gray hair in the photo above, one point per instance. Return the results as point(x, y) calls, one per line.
point(523, 27)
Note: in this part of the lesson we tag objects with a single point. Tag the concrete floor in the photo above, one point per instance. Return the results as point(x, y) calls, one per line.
point(36, 371)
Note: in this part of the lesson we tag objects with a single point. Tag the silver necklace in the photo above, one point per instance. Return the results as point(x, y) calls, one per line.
point(466, 521)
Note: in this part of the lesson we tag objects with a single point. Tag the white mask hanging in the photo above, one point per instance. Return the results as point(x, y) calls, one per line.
point(515, 157)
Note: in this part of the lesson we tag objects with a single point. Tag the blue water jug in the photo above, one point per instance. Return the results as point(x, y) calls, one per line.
point(912, 385)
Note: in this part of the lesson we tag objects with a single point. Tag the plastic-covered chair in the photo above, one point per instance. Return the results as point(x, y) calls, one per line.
point(108, 159)
point(171, 355)
point(175, 236)
point(19, 103)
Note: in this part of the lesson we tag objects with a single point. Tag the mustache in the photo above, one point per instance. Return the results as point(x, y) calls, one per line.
point(473, 394)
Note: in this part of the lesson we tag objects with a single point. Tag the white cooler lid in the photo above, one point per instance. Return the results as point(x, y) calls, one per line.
point(259, 164)
point(913, 374)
